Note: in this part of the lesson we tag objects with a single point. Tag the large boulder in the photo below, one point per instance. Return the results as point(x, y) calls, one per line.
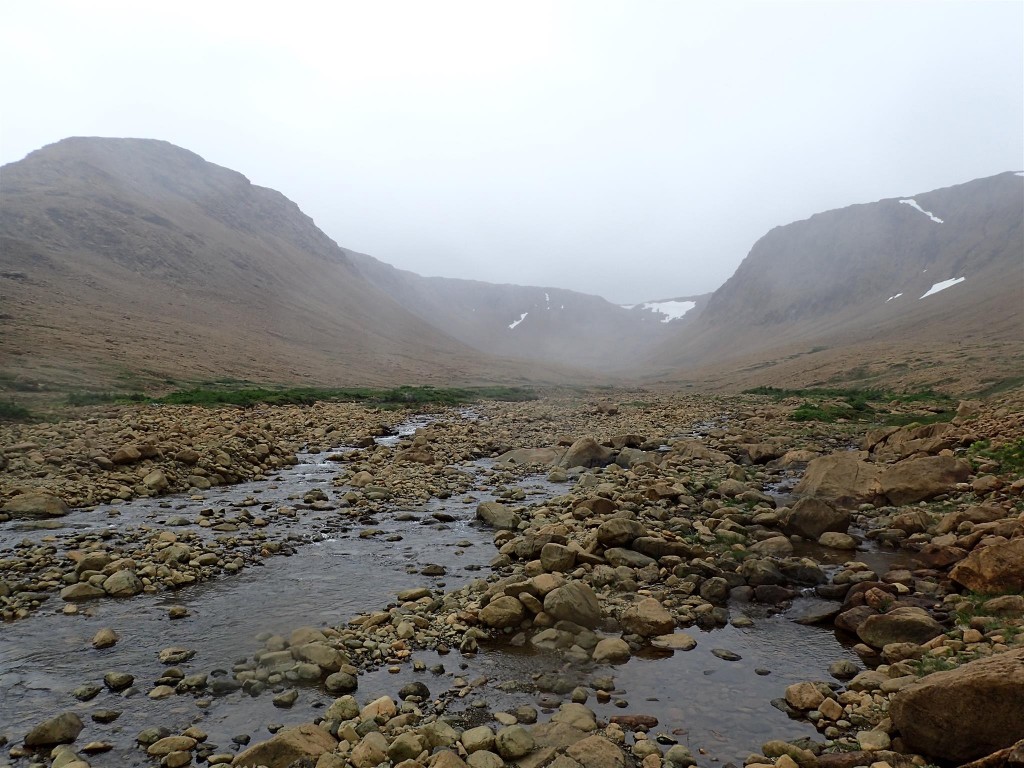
point(964, 713)
point(497, 515)
point(36, 504)
point(503, 612)
point(576, 602)
point(287, 747)
point(905, 624)
point(843, 478)
point(587, 452)
point(647, 618)
point(810, 517)
point(123, 583)
point(914, 480)
point(994, 569)
point(544, 456)
point(62, 729)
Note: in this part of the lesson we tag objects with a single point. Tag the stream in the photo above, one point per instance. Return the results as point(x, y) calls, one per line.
point(719, 707)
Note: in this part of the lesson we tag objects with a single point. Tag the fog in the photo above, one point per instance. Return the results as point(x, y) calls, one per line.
point(634, 150)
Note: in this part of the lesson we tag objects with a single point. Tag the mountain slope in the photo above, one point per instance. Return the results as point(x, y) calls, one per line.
point(551, 325)
point(134, 261)
point(926, 274)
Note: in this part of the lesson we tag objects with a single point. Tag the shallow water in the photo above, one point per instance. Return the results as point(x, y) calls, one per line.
point(699, 699)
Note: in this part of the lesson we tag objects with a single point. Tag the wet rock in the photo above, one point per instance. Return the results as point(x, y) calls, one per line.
point(575, 602)
point(964, 713)
point(123, 583)
point(62, 729)
point(995, 569)
point(596, 752)
point(611, 650)
point(843, 478)
point(513, 742)
point(81, 591)
point(497, 515)
point(647, 618)
point(900, 625)
point(586, 452)
point(679, 641)
point(289, 746)
point(914, 480)
point(810, 518)
point(503, 612)
point(36, 504)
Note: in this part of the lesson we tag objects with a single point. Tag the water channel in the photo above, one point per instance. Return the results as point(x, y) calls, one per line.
point(720, 707)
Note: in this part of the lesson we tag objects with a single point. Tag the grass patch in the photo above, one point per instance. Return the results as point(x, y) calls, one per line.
point(397, 397)
point(873, 406)
point(1009, 456)
point(11, 411)
point(1003, 385)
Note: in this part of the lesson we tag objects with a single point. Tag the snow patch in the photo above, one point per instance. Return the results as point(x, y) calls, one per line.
point(895, 297)
point(1019, 173)
point(514, 323)
point(913, 204)
point(943, 286)
point(672, 310)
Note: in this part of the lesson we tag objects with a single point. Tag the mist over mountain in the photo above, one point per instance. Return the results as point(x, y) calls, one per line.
point(533, 323)
point(130, 262)
point(920, 283)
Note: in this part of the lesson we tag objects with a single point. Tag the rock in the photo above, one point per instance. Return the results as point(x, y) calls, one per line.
point(62, 729)
point(647, 618)
point(964, 713)
point(545, 456)
point(842, 478)
point(978, 513)
point(156, 480)
point(123, 583)
point(577, 716)
point(475, 739)
point(619, 532)
point(611, 650)
point(126, 454)
point(287, 747)
point(341, 682)
point(81, 591)
point(809, 518)
point(118, 681)
point(576, 602)
point(900, 625)
point(371, 750)
point(503, 612)
point(835, 540)
point(513, 742)
point(804, 696)
point(170, 744)
point(36, 504)
point(994, 569)
point(586, 452)
point(679, 756)
point(914, 480)
point(596, 752)
point(617, 556)
point(557, 558)
point(678, 641)
point(497, 515)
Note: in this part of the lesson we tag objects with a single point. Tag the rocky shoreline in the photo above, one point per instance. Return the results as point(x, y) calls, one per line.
point(671, 518)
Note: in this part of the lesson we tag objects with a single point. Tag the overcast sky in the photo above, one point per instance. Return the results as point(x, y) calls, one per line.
point(632, 149)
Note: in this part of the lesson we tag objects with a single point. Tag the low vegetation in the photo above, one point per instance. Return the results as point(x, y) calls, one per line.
point(400, 396)
point(11, 411)
point(1009, 456)
point(869, 406)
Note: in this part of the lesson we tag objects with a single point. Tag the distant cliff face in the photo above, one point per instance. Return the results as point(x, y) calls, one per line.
point(942, 266)
point(531, 323)
point(135, 259)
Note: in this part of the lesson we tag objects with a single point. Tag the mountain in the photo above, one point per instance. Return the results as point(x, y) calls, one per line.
point(550, 325)
point(129, 262)
point(927, 289)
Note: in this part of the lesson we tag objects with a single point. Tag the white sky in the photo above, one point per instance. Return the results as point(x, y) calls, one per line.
point(632, 149)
